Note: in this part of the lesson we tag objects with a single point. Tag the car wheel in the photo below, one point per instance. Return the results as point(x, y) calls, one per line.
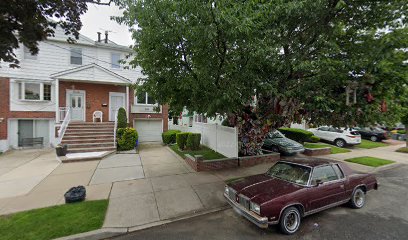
point(373, 138)
point(340, 143)
point(358, 198)
point(290, 220)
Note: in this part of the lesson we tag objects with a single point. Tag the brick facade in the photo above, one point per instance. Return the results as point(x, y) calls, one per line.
point(317, 151)
point(200, 165)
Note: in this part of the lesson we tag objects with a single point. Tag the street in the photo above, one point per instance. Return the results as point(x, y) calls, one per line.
point(385, 216)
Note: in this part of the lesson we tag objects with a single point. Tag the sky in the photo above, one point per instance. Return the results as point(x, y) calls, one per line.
point(97, 19)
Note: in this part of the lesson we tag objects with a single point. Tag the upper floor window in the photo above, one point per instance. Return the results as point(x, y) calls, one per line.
point(76, 56)
point(115, 58)
point(144, 98)
point(28, 54)
point(34, 91)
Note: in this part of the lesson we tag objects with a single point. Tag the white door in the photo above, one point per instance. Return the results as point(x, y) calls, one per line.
point(148, 130)
point(76, 103)
point(116, 101)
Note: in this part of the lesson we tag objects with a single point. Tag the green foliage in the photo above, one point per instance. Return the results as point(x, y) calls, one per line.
point(295, 56)
point(193, 141)
point(56, 222)
point(122, 118)
point(296, 134)
point(126, 138)
point(334, 150)
point(181, 139)
point(401, 131)
point(403, 150)
point(169, 137)
point(370, 161)
point(314, 139)
point(369, 144)
point(206, 152)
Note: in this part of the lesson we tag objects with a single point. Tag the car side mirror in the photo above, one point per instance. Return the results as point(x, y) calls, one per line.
point(318, 182)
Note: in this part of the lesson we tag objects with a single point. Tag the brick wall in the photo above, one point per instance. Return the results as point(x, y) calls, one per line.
point(95, 94)
point(4, 105)
point(227, 163)
point(317, 151)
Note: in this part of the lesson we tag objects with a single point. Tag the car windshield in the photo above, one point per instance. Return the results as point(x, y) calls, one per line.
point(276, 134)
point(290, 172)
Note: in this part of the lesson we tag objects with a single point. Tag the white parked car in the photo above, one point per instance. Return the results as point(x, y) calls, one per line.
point(340, 137)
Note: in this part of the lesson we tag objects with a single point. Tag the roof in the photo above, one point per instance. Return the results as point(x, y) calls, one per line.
point(309, 162)
point(91, 73)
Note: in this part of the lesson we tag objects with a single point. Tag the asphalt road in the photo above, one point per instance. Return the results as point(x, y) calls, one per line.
point(385, 216)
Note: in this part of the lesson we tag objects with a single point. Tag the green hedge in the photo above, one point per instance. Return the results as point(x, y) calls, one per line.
point(126, 138)
point(193, 141)
point(401, 132)
point(169, 137)
point(122, 118)
point(181, 139)
point(314, 139)
point(296, 134)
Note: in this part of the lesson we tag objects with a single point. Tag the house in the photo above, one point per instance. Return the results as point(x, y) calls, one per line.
point(59, 89)
point(189, 118)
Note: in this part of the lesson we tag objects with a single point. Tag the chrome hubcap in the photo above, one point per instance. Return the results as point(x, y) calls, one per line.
point(359, 198)
point(292, 221)
point(340, 143)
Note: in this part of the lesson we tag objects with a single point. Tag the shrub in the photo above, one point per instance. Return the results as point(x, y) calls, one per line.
point(403, 150)
point(126, 138)
point(181, 139)
point(296, 134)
point(122, 118)
point(193, 141)
point(401, 132)
point(169, 137)
point(314, 139)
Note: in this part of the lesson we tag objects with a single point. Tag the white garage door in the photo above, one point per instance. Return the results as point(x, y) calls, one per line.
point(148, 130)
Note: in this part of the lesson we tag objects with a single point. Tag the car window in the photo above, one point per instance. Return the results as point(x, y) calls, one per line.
point(338, 171)
point(290, 172)
point(323, 129)
point(276, 134)
point(325, 174)
point(332, 129)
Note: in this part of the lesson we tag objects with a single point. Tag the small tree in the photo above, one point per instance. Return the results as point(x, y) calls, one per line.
point(404, 120)
point(122, 118)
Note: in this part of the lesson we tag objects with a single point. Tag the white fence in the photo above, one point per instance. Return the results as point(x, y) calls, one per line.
point(219, 138)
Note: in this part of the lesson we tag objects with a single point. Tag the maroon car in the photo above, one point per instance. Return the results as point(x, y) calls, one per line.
point(292, 189)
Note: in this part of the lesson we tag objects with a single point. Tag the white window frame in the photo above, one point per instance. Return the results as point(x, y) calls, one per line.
point(117, 65)
point(21, 91)
point(28, 55)
point(146, 104)
point(70, 56)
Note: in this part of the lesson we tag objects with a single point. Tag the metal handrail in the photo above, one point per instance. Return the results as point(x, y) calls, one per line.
point(114, 129)
point(64, 125)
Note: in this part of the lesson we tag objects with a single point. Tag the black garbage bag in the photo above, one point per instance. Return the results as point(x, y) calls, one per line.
point(75, 194)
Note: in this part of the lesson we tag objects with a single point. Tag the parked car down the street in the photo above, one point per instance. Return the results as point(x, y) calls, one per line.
point(374, 134)
point(295, 188)
point(340, 137)
point(277, 142)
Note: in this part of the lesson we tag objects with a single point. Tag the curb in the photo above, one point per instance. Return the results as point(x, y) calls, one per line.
point(102, 233)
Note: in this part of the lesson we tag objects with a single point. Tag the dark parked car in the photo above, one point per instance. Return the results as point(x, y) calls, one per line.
point(374, 134)
point(277, 142)
point(295, 188)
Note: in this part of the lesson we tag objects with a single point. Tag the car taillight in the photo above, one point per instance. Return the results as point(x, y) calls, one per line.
point(351, 136)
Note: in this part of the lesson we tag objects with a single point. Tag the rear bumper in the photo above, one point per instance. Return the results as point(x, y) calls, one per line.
point(261, 222)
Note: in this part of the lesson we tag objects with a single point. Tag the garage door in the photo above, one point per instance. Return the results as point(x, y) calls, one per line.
point(148, 130)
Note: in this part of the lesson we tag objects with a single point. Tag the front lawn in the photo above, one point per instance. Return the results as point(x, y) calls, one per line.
point(54, 222)
point(403, 150)
point(206, 152)
point(370, 161)
point(367, 144)
point(334, 149)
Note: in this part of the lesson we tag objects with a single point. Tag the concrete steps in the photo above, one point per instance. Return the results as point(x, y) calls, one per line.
point(89, 137)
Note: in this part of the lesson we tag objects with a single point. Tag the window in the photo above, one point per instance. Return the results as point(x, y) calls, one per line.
point(144, 98)
point(76, 56)
point(324, 174)
point(115, 58)
point(338, 171)
point(28, 55)
point(323, 129)
point(34, 91)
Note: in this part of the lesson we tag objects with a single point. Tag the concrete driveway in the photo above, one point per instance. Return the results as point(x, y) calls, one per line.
point(384, 217)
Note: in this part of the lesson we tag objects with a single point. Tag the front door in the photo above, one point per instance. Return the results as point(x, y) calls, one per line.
point(25, 130)
point(117, 100)
point(76, 103)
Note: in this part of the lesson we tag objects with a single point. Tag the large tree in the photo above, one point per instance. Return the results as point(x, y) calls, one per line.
point(268, 63)
point(30, 21)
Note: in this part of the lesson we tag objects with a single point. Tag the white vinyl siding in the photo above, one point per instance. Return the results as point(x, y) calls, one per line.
point(28, 55)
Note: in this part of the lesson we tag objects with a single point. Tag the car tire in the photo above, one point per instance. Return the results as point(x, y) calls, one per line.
point(290, 220)
point(374, 138)
point(340, 143)
point(358, 198)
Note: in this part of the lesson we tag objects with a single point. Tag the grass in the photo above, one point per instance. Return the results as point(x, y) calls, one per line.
point(334, 149)
point(367, 144)
point(206, 152)
point(370, 161)
point(403, 150)
point(54, 222)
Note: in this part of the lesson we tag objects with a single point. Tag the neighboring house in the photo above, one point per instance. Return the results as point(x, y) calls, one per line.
point(188, 119)
point(80, 78)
